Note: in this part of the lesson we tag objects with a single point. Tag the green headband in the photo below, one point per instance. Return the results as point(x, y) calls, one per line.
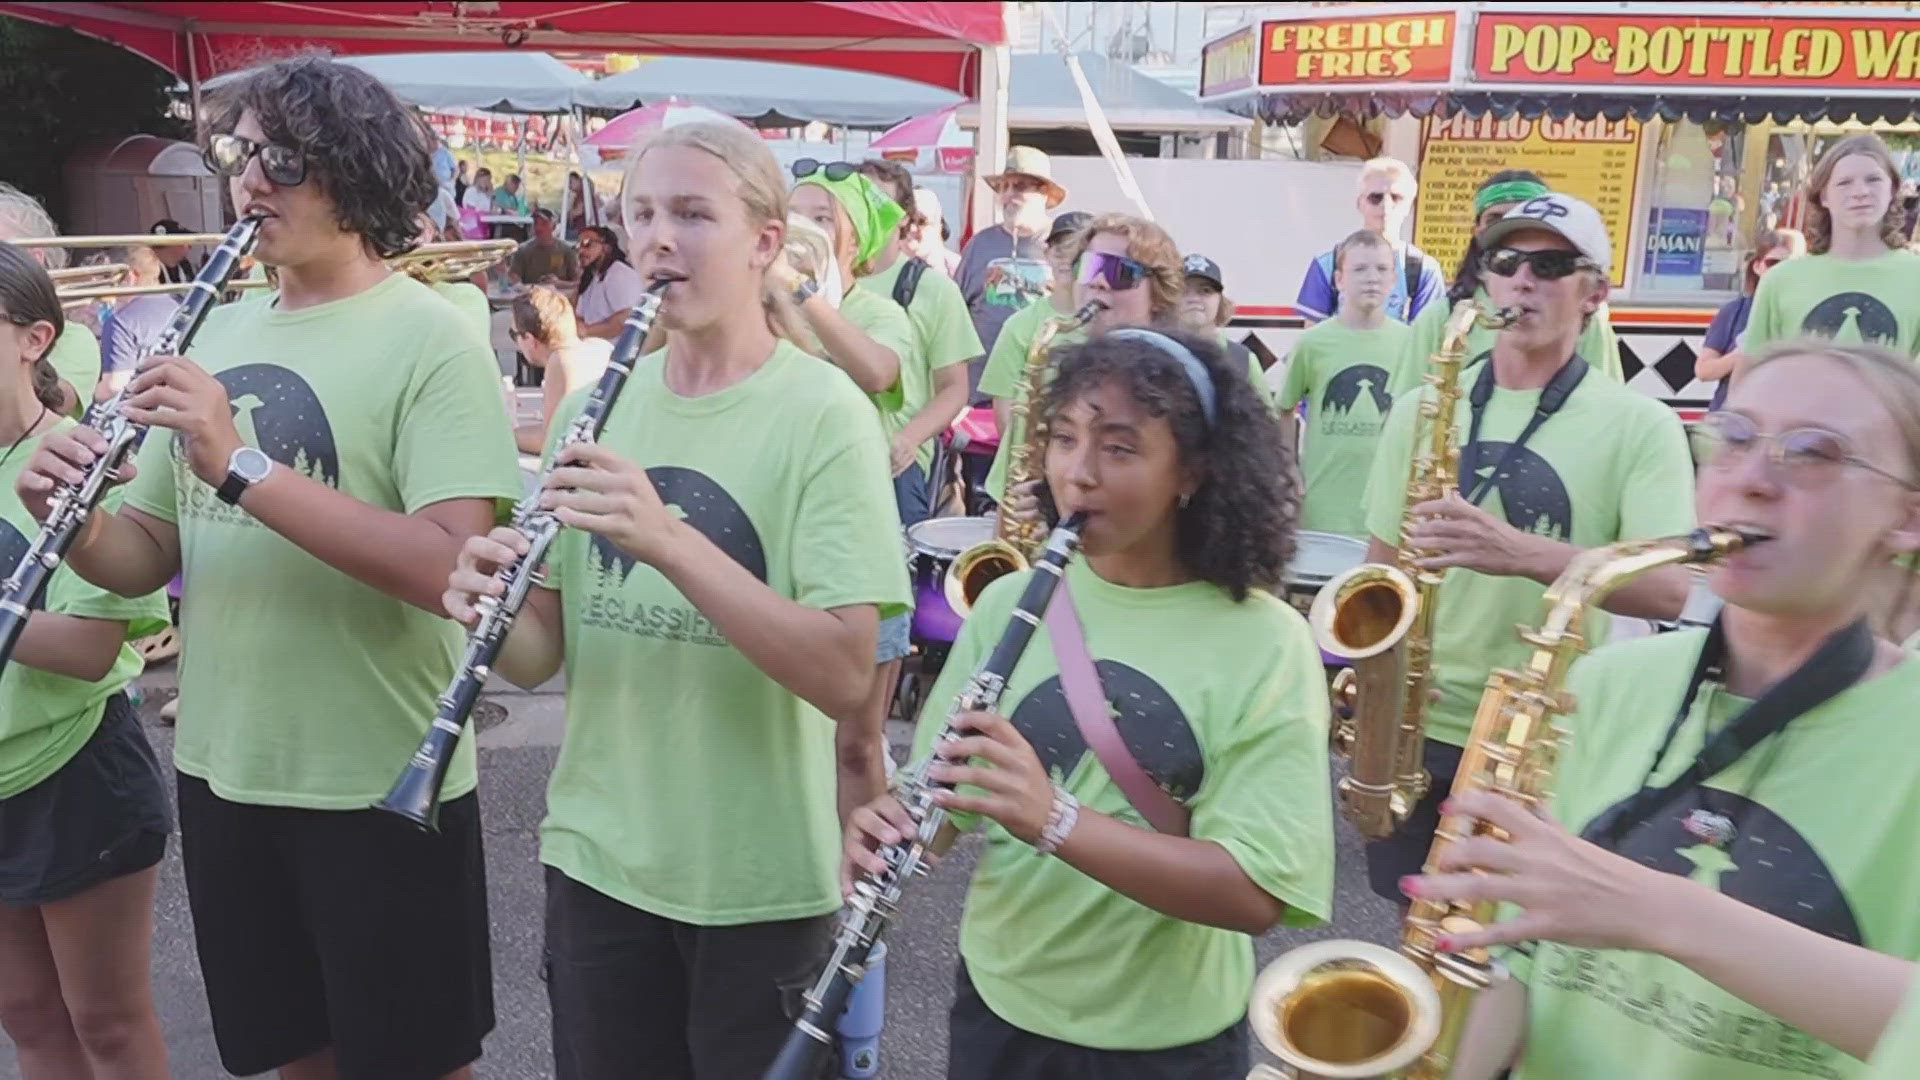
point(1509, 191)
point(875, 216)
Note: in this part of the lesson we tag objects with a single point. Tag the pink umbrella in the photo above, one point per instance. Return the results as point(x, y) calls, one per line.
point(931, 130)
point(623, 131)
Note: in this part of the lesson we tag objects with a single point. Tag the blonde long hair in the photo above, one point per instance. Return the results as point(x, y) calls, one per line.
point(761, 187)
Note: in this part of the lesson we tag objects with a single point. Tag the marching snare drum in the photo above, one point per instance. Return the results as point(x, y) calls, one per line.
point(934, 543)
point(1317, 557)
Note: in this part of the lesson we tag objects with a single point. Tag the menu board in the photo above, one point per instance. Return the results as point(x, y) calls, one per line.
point(1596, 160)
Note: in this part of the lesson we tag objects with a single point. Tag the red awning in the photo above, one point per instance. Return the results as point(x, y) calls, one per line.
point(934, 43)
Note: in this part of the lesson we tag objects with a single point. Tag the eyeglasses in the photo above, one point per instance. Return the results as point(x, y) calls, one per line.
point(1378, 197)
point(228, 155)
point(834, 170)
point(1551, 265)
point(1805, 456)
point(1117, 272)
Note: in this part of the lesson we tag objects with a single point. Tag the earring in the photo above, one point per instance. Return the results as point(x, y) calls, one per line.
point(1185, 499)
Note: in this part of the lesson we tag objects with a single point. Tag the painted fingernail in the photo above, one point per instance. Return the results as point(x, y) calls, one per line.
point(1446, 806)
point(1444, 944)
point(1410, 885)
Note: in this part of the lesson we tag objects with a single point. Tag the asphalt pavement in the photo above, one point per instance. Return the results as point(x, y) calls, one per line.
point(516, 754)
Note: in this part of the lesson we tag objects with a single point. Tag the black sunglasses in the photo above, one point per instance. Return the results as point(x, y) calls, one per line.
point(228, 155)
point(1549, 265)
point(1378, 197)
point(835, 170)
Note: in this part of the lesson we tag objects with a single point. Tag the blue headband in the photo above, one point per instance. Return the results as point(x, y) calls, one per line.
point(1196, 371)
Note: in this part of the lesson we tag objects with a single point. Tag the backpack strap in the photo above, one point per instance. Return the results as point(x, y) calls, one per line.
point(908, 283)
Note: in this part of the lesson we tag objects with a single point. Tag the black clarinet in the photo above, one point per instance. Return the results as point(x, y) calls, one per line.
point(73, 503)
point(416, 794)
point(877, 897)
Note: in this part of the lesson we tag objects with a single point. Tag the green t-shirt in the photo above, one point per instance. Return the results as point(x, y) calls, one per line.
point(1825, 839)
point(76, 357)
point(1597, 344)
point(1346, 377)
point(884, 322)
point(1851, 301)
point(46, 718)
point(943, 336)
point(1256, 374)
point(1898, 1055)
point(472, 304)
point(691, 785)
point(304, 687)
point(1224, 705)
point(1001, 378)
point(1611, 465)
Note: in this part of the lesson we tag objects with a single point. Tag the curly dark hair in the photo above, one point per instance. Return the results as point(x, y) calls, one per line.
point(1238, 530)
point(369, 153)
point(1466, 276)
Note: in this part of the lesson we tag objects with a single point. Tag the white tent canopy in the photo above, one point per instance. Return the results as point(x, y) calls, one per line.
point(768, 94)
point(514, 82)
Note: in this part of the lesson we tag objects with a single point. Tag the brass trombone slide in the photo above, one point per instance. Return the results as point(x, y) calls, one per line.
point(132, 240)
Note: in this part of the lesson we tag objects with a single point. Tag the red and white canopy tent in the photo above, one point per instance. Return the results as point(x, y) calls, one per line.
point(958, 46)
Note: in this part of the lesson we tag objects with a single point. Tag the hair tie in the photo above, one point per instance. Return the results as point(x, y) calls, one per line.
point(1196, 371)
point(1506, 191)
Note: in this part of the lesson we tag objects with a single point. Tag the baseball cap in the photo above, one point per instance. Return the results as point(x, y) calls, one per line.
point(166, 226)
point(1070, 222)
point(1202, 267)
point(1573, 220)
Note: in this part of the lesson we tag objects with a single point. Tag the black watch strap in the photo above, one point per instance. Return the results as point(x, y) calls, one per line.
point(232, 488)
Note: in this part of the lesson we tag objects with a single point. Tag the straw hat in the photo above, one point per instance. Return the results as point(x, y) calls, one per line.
point(1033, 164)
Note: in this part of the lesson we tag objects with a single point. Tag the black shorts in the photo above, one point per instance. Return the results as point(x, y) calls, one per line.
point(1405, 852)
point(981, 1046)
point(635, 994)
point(349, 929)
point(103, 815)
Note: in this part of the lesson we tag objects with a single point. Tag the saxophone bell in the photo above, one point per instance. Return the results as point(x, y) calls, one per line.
point(1345, 1010)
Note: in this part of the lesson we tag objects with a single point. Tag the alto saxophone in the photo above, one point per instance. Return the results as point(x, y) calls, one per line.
point(1014, 541)
point(1353, 1009)
point(1379, 618)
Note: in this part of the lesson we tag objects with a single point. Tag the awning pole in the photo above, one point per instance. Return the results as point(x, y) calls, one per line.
point(193, 77)
point(990, 138)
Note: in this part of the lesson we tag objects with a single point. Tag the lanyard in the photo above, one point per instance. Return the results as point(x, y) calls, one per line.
point(1556, 393)
point(1839, 663)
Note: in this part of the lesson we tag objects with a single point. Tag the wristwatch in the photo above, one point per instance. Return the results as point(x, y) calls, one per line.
point(804, 291)
point(245, 468)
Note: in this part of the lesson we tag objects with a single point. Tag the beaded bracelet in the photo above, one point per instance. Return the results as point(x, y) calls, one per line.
point(1060, 823)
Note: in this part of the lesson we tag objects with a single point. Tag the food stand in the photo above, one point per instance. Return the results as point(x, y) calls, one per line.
point(1690, 127)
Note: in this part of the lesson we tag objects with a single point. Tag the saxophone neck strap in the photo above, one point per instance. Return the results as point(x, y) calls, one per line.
point(1087, 700)
point(1839, 663)
point(1552, 398)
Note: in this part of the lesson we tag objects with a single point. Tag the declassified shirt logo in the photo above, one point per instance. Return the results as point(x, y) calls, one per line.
point(276, 411)
point(1853, 316)
point(1532, 495)
point(1768, 865)
point(1344, 393)
point(1156, 732)
point(702, 503)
